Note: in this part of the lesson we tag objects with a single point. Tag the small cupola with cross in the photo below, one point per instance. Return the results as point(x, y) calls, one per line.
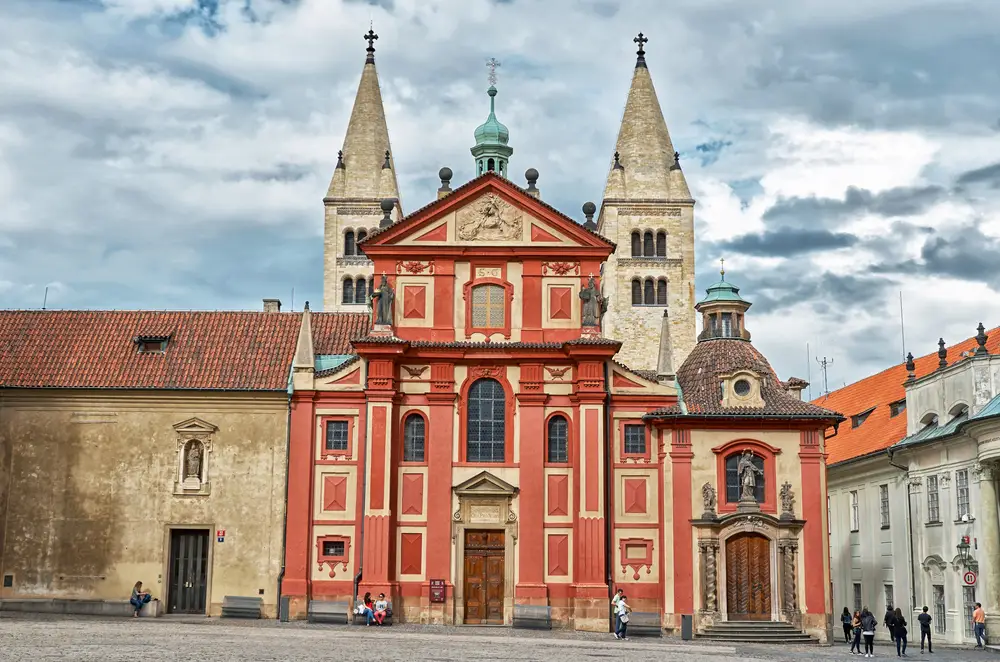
point(723, 311)
point(492, 153)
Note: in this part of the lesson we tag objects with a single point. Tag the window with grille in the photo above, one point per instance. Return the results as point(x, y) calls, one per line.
point(855, 515)
point(348, 294)
point(486, 423)
point(889, 598)
point(962, 492)
point(933, 502)
point(488, 307)
point(333, 548)
point(558, 439)
point(635, 440)
point(414, 434)
point(939, 609)
point(857, 597)
point(734, 487)
point(883, 504)
point(336, 435)
point(969, 598)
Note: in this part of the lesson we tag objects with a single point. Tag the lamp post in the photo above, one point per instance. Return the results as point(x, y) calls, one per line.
point(963, 550)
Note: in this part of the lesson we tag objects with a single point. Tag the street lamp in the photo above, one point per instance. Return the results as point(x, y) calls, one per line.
point(963, 550)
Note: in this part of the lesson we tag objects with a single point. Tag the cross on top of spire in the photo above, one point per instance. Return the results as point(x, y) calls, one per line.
point(641, 53)
point(371, 37)
point(722, 267)
point(492, 65)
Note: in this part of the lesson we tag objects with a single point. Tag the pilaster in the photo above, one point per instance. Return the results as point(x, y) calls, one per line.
point(531, 587)
point(440, 445)
point(681, 455)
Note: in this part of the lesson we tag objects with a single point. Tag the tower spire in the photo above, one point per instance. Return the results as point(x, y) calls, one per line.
point(491, 152)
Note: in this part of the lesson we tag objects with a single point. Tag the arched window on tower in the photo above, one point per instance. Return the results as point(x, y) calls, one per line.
point(636, 292)
point(349, 243)
point(502, 173)
point(491, 165)
point(648, 295)
point(348, 294)
point(360, 291)
point(636, 244)
point(413, 438)
point(486, 422)
point(661, 292)
point(371, 284)
point(558, 439)
point(661, 244)
point(361, 235)
point(647, 244)
point(734, 487)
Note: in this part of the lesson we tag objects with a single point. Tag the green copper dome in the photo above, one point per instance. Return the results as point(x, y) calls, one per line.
point(723, 292)
point(492, 132)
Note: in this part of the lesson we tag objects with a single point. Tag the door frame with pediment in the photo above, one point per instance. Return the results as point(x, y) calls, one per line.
point(485, 503)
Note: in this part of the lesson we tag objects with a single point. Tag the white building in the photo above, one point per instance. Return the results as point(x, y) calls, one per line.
point(911, 481)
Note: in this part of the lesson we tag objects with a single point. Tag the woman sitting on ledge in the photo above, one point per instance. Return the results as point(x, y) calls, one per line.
point(139, 598)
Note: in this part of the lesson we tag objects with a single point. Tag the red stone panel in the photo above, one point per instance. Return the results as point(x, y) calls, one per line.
point(335, 493)
point(413, 494)
point(558, 554)
point(560, 303)
point(635, 496)
point(414, 302)
point(440, 233)
point(540, 234)
point(558, 495)
point(410, 553)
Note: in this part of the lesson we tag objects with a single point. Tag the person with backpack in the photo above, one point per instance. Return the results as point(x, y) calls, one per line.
point(846, 619)
point(868, 625)
point(887, 621)
point(925, 631)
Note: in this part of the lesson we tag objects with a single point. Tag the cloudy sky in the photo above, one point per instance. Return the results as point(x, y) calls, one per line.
point(174, 153)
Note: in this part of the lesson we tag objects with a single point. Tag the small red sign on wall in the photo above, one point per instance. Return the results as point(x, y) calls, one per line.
point(437, 590)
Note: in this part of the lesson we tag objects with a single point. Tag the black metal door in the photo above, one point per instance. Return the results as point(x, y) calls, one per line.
point(188, 583)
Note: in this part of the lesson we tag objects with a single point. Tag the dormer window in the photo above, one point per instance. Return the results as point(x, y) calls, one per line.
point(896, 408)
point(929, 420)
point(858, 419)
point(152, 344)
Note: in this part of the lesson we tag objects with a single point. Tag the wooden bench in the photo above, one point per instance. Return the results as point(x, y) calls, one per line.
point(323, 611)
point(238, 606)
point(644, 624)
point(533, 617)
point(361, 619)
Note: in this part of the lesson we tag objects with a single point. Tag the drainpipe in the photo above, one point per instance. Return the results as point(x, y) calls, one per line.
point(284, 517)
point(609, 457)
point(363, 468)
point(909, 528)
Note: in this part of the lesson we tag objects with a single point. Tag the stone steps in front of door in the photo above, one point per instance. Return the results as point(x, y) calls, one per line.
point(755, 632)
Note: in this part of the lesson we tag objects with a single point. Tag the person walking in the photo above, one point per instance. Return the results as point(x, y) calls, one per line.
point(614, 610)
point(887, 621)
point(868, 625)
point(624, 612)
point(979, 625)
point(856, 632)
point(925, 631)
point(899, 629)
point(846, 619)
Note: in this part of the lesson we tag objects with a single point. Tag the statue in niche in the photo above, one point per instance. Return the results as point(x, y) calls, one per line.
point(594, 305)
point(192, 463)
point(748, 476)
point(710, 499)
point(382, 299)
point(787, 500)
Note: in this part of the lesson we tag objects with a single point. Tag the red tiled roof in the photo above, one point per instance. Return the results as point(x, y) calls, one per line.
point(880, 430)
point(333, 332)
point(242, 351)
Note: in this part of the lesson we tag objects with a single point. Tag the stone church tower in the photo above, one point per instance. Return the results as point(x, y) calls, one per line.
point(364, 176)
point(648, 212)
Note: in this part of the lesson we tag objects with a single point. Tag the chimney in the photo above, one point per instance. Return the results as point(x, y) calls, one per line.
point(532, 176)
point(272, 305)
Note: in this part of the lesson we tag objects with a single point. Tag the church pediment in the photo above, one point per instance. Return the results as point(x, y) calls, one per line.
point(485, 484)
point(487, 211)
point(194, 427)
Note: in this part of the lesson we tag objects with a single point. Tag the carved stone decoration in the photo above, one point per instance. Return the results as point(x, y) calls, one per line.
point(935, 566)
point(415, 371)
point(914, 483)
point(487, 371)
point(560, 268)
point(710, 499)
point(787, 501)
point(709, 548)
point(557, 373)
point(944, 478)
point(414, 266)
point(194, 442)
point(492, 219)
point(983, 471)
point(787, 548)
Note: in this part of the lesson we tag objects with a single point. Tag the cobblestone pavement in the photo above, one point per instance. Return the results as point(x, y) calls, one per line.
point(38, 637)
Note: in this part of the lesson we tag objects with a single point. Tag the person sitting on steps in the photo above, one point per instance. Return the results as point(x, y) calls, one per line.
point(138, 599)
point(381, 607)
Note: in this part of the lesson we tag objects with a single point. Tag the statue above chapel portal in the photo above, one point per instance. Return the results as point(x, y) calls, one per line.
point(748, 476)
point(594, 305)
point(382, 299)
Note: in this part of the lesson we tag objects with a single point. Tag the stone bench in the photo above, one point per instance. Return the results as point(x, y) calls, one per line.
point(238, 606)
point(533, 617)
point(644, 624)
point(323, 611)
point(360, 619)
point(151, 609)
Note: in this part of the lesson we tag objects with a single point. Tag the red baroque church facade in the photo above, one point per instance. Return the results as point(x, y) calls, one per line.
point(482, 450)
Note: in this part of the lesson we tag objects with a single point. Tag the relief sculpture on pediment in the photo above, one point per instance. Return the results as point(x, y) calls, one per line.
point(490, 219)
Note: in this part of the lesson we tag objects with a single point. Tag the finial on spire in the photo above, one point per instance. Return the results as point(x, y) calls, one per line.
point(722, 267)
point(492, 65)
point(942, 354)
point(911, 368)
point(640, 60)
point(981, 339)
point(386, 165)
point(618, 163)
point(340, 159)
point(371, 37)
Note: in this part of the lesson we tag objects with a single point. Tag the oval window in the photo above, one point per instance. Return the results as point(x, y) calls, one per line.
point(742, 388)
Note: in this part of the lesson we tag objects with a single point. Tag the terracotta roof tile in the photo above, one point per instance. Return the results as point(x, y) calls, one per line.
point(333, 332)
point(881, 430)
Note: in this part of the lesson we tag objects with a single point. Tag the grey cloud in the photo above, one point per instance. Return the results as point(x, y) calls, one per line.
point(786, 242)
point(964, 254)
point(987, 175)
point(902, 201)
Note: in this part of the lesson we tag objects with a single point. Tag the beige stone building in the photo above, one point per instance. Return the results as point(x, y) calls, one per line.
point(647, 211)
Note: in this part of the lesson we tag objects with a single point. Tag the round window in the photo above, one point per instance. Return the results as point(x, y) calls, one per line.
point(742, 388)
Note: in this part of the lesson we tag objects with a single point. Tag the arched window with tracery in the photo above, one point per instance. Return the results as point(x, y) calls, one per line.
point(734, 485)
point(661, 244)
point(558, 437)
point(488, 307)
point(661, 292)
point(414, 437)
point(636, 244)
point(647, 244)
point(349, 243)
point(486, 423)
point(348, 293)
point(636, 292)
point(361, 236)
point(648, 294)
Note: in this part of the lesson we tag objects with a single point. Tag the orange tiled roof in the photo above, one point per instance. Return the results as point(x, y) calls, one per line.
point(880, 430)
point(333, 332)
point(243, 351)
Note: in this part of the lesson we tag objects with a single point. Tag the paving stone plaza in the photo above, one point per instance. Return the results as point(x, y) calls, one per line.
point(30, 637)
